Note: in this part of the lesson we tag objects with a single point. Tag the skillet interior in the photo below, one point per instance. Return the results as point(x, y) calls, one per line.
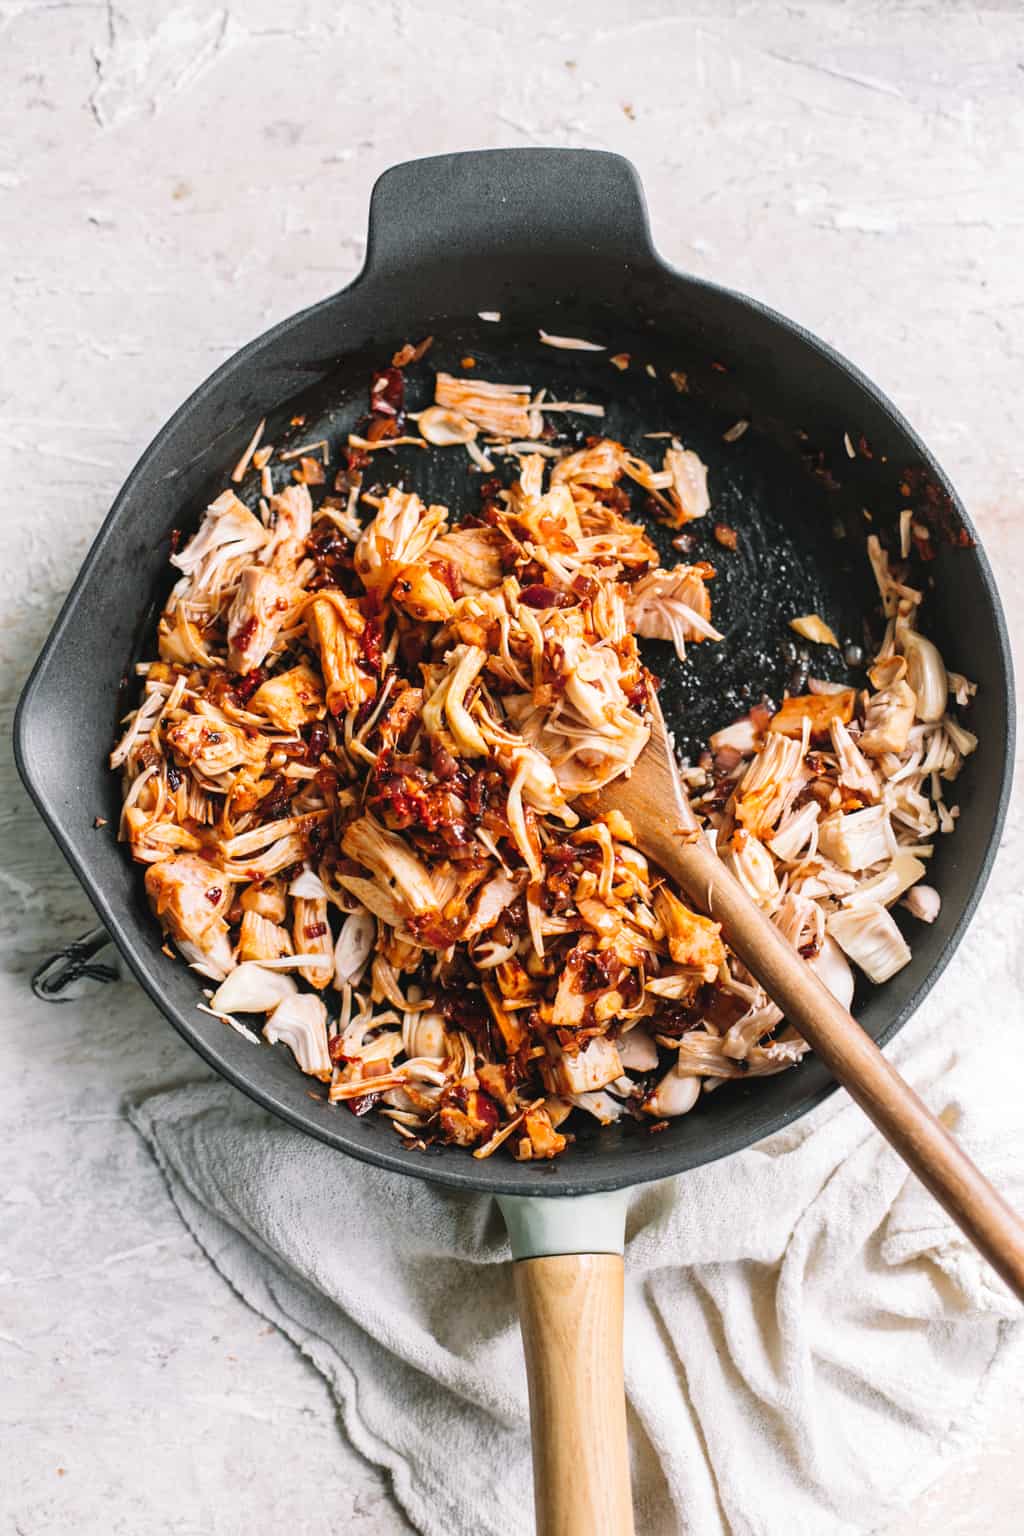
point(788, 487)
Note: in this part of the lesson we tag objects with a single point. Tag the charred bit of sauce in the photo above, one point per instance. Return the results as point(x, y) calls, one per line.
point(933, 507)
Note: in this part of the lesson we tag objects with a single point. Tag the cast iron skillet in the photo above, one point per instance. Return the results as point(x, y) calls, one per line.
point(555, 239)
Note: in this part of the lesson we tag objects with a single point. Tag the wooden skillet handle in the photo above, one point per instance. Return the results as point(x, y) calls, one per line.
point(570, 1313)
point(903, 1119)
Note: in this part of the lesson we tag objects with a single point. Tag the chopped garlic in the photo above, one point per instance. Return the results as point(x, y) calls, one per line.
point(926, 673)
point(924, 902)
point(676, 1094)
point(252, 988)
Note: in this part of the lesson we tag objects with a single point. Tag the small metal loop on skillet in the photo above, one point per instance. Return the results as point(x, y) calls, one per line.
point(53, 980)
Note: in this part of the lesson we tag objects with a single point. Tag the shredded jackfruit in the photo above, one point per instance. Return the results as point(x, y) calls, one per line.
point(353, 780)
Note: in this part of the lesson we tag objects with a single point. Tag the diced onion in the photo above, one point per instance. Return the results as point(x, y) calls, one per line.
point(926, 674)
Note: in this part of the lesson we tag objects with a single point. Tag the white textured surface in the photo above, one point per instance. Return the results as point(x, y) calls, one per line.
point(174, 179)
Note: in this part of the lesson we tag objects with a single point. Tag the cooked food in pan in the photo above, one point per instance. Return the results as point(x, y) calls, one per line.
point(358, 773)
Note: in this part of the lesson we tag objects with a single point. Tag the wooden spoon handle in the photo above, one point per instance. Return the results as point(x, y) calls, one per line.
point(570, 1313)
point(852, 1056)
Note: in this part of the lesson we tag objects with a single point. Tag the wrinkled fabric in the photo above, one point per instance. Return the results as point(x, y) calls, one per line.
point(808, 1337)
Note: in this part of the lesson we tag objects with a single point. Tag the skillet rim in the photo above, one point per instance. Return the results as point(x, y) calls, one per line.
point(608, 1170)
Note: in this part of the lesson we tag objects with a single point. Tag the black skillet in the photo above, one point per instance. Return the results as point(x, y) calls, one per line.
point(555, 239)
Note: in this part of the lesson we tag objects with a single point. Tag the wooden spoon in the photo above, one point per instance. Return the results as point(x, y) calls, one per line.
point(654, 801)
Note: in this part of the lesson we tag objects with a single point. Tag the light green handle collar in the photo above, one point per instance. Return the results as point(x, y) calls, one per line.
point(542, 1228)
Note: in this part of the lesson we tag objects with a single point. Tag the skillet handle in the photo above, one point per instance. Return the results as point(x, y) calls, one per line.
point(570, 1314)
point(569, 1289)
point(501, 204)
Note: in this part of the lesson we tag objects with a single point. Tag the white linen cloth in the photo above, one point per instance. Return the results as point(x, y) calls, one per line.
point(808, 1338)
